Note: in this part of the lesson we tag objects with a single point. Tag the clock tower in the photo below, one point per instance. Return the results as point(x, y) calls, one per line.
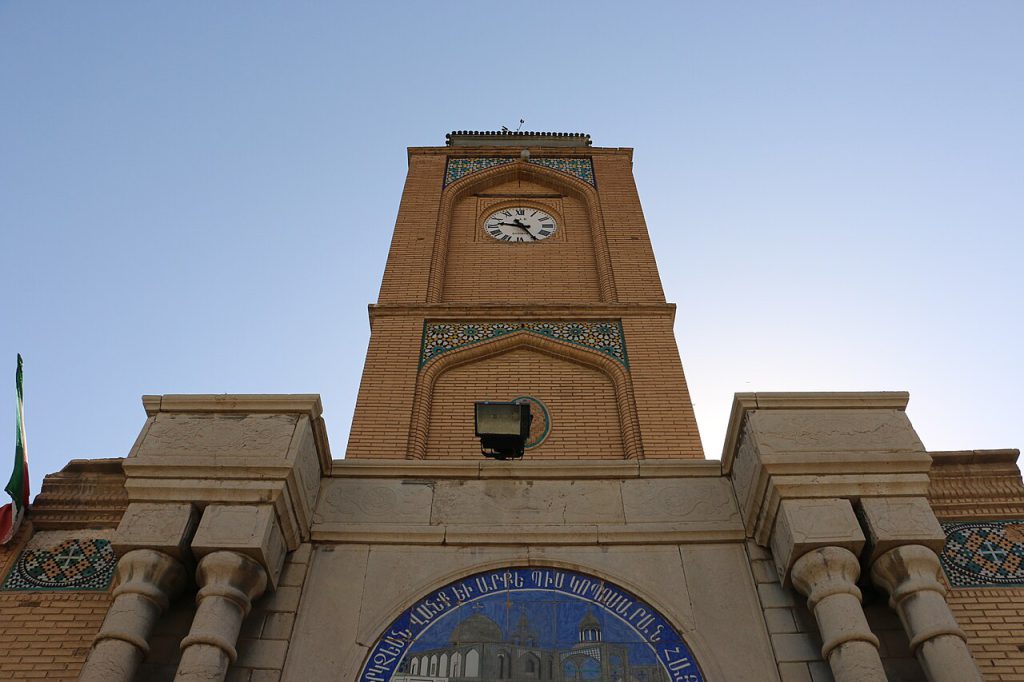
point(521, 268)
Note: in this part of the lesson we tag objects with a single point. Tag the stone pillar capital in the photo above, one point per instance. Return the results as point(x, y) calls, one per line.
point(910, 574)
point(805, 525)
point(145, 581)
point(228, 582)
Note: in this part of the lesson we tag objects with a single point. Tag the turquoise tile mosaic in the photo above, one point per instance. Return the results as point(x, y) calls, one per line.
point(75, 564)
point(459, 167)
point(984, 553)
point(603, 336)
point(576, 167)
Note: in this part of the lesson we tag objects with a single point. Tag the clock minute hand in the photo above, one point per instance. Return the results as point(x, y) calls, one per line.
point(524, 228)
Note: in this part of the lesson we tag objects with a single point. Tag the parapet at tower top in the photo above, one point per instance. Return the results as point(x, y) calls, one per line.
point(514, 138)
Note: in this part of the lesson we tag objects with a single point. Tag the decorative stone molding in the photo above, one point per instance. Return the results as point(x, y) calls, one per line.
point(909, 574)
point(245, 529)
point(228, 582)
point(86, 493)
point(233, 449)
point(819, 445)
point(976, 483)
point(146, 581)
point(827, 576)
point(804, 525)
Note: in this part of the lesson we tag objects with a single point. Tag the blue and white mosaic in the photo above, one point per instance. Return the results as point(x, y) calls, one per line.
point(531, 624)
point(603, 336)
point(74, 564)
point(984, 553)
point(459, 167)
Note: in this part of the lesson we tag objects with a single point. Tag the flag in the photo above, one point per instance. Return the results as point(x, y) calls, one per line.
point(12, 514)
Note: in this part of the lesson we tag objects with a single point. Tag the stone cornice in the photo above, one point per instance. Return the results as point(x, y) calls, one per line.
point(255, 403)
point(976, 484)
point(497, 311)
point(524, 470)
point(86, 493)
point(793, 400)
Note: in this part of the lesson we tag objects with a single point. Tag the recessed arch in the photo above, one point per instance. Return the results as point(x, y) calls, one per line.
point(519, 169)
point(621, 381)
point(479, 602)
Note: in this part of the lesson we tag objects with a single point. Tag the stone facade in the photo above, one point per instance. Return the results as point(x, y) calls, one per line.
point(826, 544)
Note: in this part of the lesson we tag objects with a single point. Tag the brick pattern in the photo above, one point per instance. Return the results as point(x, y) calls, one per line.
point(45, 635)
point(994, 622)
point(580, 400)
point(794, 632)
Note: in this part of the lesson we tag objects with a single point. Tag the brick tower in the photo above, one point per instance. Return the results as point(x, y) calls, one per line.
point(521, 267)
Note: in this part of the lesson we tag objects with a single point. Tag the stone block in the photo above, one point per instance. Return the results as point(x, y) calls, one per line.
point(773, 596)
point(780, 621)
point(261, 653)
point(361, 501)
point(247, 529)
point(678, 500)
point(821, 672)
point(794, 672)
point(894, 521)
point(164, 527)
point(764, 571)
point(795, 647)
point(278, 626)
point(281, 600)
point(803, 525)
point(212, 437)
point(510, 502)
point(826, 432)
point(265, 676)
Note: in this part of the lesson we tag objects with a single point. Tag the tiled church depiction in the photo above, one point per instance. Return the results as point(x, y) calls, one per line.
point(524, 495)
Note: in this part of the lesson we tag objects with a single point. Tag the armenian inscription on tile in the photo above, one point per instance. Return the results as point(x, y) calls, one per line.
point(530, 624)
point(68, 563)
point(984, 553)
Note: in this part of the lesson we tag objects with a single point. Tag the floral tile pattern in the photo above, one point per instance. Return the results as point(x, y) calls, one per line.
point(75, 564)
point(603, 336)
point(984, 553)
point(576, 167)
point(459, 167)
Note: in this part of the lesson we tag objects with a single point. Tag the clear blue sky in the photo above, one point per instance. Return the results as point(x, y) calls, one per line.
point(199, 197)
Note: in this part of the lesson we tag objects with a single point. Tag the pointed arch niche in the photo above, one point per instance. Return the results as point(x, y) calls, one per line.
point(470, 615)
point(573, 266)
point(589, 397)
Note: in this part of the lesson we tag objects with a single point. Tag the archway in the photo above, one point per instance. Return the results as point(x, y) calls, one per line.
point(484, 609)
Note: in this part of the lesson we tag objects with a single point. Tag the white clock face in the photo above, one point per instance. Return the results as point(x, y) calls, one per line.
point(520, 224)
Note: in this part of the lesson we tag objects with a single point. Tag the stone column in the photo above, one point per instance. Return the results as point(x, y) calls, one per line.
point(228, 582)
point(242, 552)
point(815, 544)
point(146, 580)
point(828, 578)
point(904, 538)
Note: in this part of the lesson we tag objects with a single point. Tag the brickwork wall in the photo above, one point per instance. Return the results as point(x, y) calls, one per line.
point(580, 399)
point(45, 634)
point(668, 425)
point(408, 266)
point(632, 256)
point(994, 622)
point(380, 425)
point(560, 268)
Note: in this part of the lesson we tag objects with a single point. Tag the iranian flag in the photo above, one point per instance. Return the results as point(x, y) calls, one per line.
point(12, 514)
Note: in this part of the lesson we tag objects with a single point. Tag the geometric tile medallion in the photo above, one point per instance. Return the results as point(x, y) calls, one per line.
point(603, 336)
point(74, 564)
point(459, 167)
point(984, 553)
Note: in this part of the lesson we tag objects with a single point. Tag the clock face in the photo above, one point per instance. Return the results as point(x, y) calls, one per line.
point(520, 224)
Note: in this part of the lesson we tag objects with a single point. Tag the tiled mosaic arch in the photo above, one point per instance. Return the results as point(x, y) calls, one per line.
point(73, 564)
point(581, 168)
point(604, 336)
point(984, 553)
point(551, 605)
